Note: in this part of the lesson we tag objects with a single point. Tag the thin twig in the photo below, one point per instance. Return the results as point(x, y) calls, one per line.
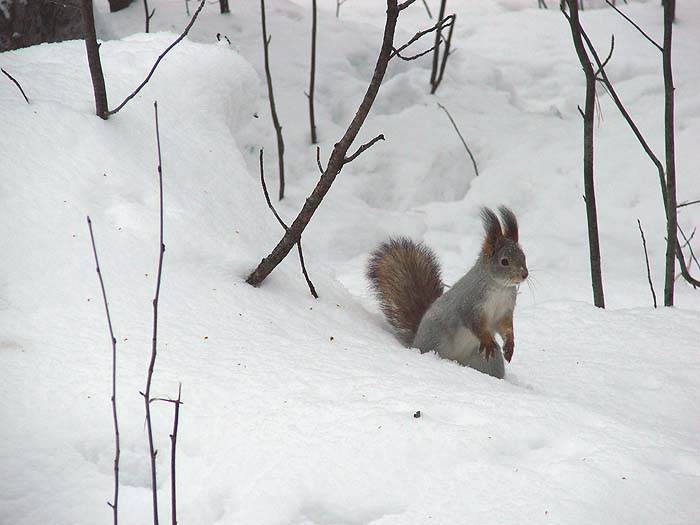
point(635, 25)
point(16, 84)
point(682, 204)
point(173, 441)
point(684, 267)
point(412, 57)
point(430, 15)
point(607, 59)
point(436, 53)
point(464, 143)
point(445, 54)
point(687, 243)
point(363, 148)
point(443, 23)
point(312, 288)
point(271, 97)
point(162, 55)
point(117, 451)
point(312, 74)
point(404, 5)
point(318, 159)
point(154, 345)
point(646, 256)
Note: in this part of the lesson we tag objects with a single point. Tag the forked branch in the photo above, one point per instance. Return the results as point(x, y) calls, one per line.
point(337, 159)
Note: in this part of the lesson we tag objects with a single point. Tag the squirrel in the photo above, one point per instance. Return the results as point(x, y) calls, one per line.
point(459, 324)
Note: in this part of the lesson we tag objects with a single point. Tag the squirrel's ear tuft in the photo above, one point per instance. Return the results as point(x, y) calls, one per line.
point(493, 232)
point(510, 223)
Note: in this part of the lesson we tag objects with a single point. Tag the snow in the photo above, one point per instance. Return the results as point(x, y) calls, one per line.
point(301, 411)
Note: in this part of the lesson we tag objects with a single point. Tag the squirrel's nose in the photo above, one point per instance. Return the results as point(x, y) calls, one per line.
point(523, 273)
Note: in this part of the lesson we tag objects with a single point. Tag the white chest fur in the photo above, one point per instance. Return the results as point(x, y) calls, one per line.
point(498, 303)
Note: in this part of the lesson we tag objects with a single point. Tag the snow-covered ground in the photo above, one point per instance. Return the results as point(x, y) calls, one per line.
point(301, 411)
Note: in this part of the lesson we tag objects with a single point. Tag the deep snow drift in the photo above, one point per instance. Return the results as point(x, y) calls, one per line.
point(301, 411)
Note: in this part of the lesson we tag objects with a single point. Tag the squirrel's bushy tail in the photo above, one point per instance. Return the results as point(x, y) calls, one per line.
point(406, 278)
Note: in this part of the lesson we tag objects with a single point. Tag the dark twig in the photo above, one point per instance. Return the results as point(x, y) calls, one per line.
point(684, 267)
point(312, 80)
point(404, 5)
point(689, 237)
point(162, 55)
point(607, 59)
point(690, 247)
point(436, 52)
point(441, 24)
point(670, 203)
point(644, 34)
point(273, 108)
point(94, 63)
point(16, 84)
point(412, 57)
point(148, 15)
point(154, 345)
point(318, 159)
point(337, 158)
point(541, 4)
point(311, 286)
point(338, 3)
point(430, 15)
point(363, 148)
point(445, 54)
point(173, 441)
point(464, 143)
point(682, 204)
point(588, 165)
point(646, 256)
point(117, 452)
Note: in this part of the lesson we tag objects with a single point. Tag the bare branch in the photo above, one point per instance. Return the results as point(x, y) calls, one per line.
point(404, 5)
point(445, 54)
point(690, 248)
point(412, 57)
point(312, 74)
point(16, 84)
point(635, 25)
point(646, 256)
point(425, 4)
point(93, 55)
point(443, 23)
point(464, 143)
point(271, 97)
point(312, 288)
point(117, 451)
point(337, 159)
point(684, 267)
point(154, 341)
point(162, 55)
point(588, 166)
point(173, 441)
point(318, 159)
point(363, 148)
point(682, 204)
point(607, 59)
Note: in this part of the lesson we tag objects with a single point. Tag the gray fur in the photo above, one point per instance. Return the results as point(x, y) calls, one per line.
point(450, 323)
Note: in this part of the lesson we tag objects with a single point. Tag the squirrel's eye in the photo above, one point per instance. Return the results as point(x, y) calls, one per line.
point(504, 262)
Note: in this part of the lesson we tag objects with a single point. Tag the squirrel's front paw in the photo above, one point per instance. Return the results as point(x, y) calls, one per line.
point(508, 349)
point(489, 350)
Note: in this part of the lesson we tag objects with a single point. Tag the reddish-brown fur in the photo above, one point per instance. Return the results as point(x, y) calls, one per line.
point(406, 278)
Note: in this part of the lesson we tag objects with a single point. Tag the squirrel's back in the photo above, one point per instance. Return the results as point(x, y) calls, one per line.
point(405, 275)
